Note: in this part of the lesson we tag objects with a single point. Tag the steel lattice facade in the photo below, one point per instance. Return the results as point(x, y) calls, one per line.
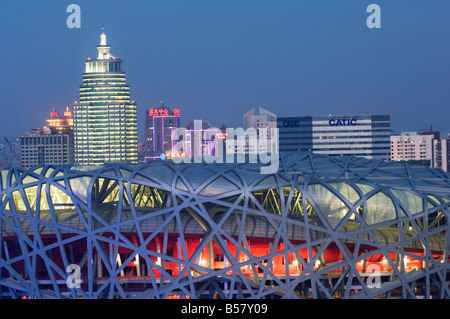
point(322, 227)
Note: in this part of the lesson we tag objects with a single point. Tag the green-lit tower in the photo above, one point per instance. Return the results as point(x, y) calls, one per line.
point(105, 120)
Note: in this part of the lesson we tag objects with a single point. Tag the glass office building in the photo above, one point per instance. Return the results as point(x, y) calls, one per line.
point(105, 119)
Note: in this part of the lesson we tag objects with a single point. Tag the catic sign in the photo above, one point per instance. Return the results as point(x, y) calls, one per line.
point(291, 123)
point(342, 122)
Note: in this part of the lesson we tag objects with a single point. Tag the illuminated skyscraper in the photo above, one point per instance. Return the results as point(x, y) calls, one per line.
point(105, 120)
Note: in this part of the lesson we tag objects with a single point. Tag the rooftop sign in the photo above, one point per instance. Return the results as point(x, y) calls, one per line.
point(163, 112)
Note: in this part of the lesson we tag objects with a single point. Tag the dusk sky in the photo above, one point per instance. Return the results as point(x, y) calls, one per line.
point(215, 60)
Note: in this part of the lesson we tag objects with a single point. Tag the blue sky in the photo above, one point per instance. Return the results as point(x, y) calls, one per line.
point(215, 60)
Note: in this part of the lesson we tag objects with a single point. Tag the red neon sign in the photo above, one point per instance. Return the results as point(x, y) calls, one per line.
point(158, 112)
point(162, 112)
point(171, 155)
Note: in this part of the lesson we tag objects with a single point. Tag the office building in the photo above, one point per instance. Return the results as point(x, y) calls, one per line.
point(50, 145)
point(105, 119)
point(424, 148)
point(363, 135)
point(412, 146)
point(360, 135)
point(295, 134)
point(159, 123)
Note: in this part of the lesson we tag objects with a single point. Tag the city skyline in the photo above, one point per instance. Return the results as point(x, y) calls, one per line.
point(217, 61)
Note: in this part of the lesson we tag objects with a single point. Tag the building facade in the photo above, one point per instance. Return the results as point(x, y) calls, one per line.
point(423, 148)
point(105, 119)
point(40, 147)
point(50, 145)
point(159, 123)
point(412, 146)
point(441, 153)
point(295, 134)
point(361, 135)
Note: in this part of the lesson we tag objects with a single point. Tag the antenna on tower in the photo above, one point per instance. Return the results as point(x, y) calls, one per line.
point(162, 99)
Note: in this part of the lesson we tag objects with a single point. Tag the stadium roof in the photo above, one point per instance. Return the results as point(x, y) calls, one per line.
point(312, 200)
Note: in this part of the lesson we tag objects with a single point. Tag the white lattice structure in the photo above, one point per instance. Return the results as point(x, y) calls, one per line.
point(316, 229)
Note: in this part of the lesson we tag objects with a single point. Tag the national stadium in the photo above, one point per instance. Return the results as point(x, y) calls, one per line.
point(321, 227)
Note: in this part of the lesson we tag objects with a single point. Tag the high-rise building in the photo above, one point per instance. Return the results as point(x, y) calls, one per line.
point(105, 119)
point(159, 123)
point(412, 146)
point(361, 135)
point(50, 145)
point(295, 134)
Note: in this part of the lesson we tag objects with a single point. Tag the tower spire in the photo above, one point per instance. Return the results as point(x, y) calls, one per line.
point(103, 48)
point(103, 38)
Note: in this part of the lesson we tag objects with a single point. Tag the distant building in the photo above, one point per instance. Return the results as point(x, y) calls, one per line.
point(50, 145)
point(295, 134)
point(441, 153)
point(412, 146)
point(365, 136)
point(105, 119)
point(263, 122)
point(159, 123)
point(423, 148)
